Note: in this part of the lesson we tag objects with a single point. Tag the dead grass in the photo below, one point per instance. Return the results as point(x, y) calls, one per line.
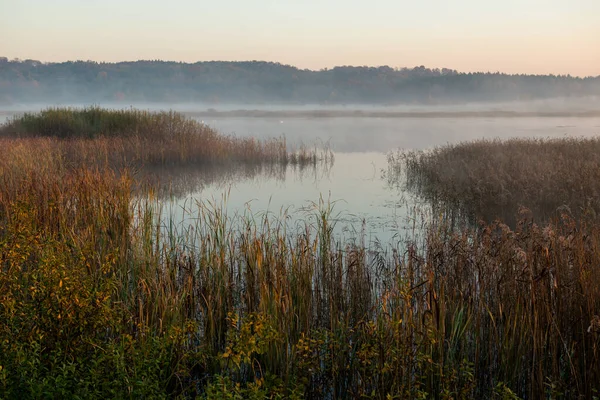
point(102, 297)
point(117, 138)
point(491, 179)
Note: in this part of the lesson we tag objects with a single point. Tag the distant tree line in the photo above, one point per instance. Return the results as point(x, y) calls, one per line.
point(256, 82)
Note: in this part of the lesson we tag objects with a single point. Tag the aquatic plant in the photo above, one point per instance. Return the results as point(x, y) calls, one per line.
point(101, 296)
point(129, 137)
point(493, 179)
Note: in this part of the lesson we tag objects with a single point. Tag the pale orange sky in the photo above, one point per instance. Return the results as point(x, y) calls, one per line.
point(526, 36)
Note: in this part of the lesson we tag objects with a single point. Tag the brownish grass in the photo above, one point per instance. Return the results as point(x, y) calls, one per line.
point(492, 179)
point(101, 297)
point(119, 138)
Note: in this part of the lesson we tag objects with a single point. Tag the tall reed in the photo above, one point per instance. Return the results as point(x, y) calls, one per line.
point(132, 137)
point(101, 296)
point(492, 179)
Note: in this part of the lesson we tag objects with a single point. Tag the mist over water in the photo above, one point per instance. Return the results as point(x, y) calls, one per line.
point(365, 204)
point(386, 134)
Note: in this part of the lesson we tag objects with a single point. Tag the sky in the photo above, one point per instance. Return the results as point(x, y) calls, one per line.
point(512, 36)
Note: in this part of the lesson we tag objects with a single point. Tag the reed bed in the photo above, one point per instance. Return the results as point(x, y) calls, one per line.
point(100, 296)
point(493, 179)
point(120, 138)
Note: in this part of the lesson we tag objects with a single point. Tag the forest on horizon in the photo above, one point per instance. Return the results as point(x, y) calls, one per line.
point(258, 82)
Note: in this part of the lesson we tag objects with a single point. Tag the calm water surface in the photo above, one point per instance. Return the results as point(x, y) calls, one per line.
point(364, 202)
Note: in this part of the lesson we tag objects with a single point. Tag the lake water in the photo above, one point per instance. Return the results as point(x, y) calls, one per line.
point(384, 134)
point(364, 202)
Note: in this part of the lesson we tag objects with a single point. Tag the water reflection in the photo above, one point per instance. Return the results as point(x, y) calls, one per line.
point(363, 206)
point(177, 182)
point(366, 201)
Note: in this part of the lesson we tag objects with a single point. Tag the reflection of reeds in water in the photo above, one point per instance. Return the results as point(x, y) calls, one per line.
point(494, 179)
point(304, 156)
point(164, 147)
point(182, 180)
point(102, 299)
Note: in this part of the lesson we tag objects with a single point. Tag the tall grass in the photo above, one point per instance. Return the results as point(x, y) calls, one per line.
point(120, 138)
point(102, 297)
point(491, 179)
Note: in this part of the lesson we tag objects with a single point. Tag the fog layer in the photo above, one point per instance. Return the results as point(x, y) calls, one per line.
point(254, 82)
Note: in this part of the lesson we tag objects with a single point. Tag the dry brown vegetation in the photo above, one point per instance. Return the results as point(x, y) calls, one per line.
point(117, 138)
point(101, 297)
point(491, 179)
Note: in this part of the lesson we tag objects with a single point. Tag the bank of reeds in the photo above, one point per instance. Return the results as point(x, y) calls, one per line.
point(489, 179)
point(129, 137)
point(101, 297)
